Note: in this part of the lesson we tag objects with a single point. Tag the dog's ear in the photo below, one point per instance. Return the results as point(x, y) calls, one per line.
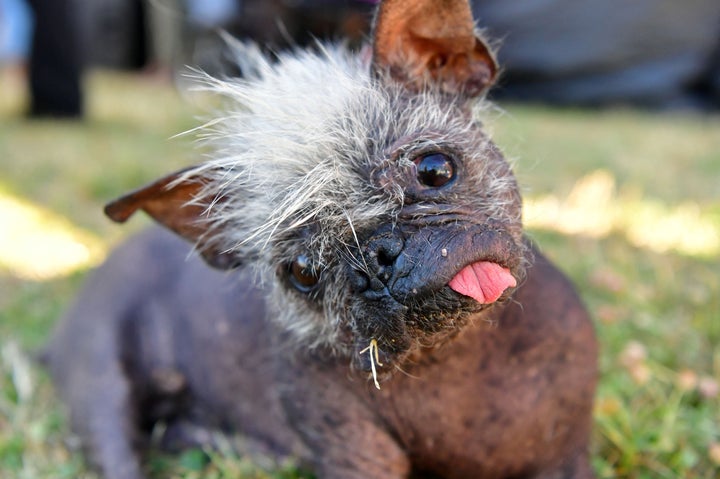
point(175, 201)
point(432, 41)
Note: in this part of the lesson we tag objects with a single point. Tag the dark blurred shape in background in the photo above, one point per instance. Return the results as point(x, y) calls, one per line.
point(652, 53)
point(40, 40)
point(163, 34)
point(55, 67)
point(659, 53)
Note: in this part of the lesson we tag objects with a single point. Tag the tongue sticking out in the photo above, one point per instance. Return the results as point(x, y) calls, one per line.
point(484, 281)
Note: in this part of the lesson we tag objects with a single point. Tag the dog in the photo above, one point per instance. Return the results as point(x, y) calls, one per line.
point(372, 307)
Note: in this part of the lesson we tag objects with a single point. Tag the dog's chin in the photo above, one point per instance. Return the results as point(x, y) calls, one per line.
point(385, 338)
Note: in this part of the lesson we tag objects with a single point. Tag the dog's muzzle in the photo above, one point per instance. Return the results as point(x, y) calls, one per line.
point(425, 278)
point(409, 263)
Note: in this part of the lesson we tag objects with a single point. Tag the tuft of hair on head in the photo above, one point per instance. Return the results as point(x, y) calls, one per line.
point(294, 148)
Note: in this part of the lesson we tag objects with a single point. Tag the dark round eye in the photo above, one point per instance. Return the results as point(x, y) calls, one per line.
point(302, 274)
point(435, 170)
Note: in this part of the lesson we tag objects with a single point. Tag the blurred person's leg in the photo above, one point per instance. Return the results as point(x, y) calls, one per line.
point(165, 24)
point(55, 60)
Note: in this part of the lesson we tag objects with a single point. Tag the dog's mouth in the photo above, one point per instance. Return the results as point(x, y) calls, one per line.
point(484, 281)
point(438, 279)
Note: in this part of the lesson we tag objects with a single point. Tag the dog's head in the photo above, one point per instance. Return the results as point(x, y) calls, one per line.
point(361, 186)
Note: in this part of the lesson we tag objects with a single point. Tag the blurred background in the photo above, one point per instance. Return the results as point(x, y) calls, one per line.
point(609, 110)
point(658, 53)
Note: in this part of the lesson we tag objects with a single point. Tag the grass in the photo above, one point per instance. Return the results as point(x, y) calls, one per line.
point(627, 202)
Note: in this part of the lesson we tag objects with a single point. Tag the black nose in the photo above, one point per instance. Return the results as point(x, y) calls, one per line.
point(379, 255)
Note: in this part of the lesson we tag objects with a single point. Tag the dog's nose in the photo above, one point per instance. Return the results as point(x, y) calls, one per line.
point(379, 255)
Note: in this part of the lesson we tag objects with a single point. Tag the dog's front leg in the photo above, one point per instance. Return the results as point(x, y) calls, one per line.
point(357, 451)
point(111, 437)
point(103, 413)
point(345, 437)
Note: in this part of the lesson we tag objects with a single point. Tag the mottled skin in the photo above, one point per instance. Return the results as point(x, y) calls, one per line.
point(190, 345)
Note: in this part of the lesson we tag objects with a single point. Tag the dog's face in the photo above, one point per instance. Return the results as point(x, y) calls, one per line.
point(365, 192)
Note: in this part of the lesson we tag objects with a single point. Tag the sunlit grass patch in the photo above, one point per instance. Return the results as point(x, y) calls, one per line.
point(595, 208)
point(38, 244)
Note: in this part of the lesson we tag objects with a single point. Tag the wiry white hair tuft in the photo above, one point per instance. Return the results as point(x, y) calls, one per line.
point(297, 146)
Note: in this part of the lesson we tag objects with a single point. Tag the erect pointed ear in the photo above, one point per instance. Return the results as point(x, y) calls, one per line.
point(176, 202)
point(432, 41)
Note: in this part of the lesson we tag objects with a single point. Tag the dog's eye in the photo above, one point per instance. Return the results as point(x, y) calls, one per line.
point(302, 274)
point(434, 170)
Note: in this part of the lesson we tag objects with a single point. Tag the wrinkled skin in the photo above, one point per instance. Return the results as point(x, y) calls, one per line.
point(509, 396)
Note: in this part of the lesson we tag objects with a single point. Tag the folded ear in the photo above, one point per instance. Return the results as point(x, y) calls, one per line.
point(432, 41)
point(176, 201)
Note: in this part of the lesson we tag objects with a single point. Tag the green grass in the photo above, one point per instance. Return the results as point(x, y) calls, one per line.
point(646, 188)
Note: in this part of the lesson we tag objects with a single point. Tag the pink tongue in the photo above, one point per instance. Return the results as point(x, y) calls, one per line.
point(484, 281)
